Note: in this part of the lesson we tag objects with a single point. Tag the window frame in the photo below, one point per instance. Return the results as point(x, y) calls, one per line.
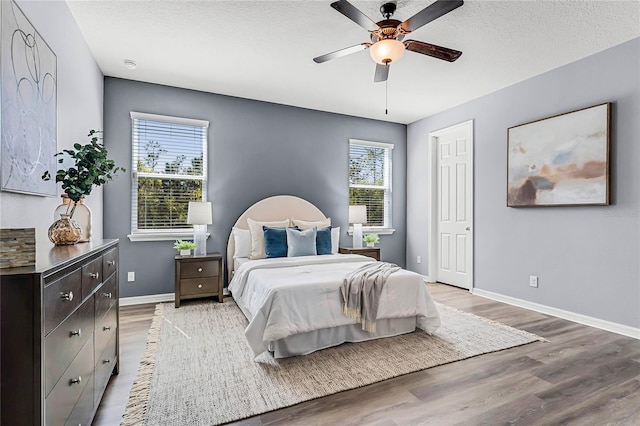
point(387, 228)
point(172, 233)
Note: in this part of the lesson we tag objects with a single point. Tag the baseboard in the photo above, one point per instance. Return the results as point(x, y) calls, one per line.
point(613, 327)
point(152, 298)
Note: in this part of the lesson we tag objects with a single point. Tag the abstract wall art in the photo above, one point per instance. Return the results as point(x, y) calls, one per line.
point(28, 128)
point(561, 160)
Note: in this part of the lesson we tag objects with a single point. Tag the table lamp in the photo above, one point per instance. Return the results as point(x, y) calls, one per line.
point(357, 216)
point(199, 216)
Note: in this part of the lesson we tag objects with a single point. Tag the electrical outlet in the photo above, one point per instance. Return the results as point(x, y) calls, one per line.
point(533, 281)
point(419, 259)
point(131, 276)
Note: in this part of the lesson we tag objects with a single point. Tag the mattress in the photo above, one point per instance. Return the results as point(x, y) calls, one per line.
point(294, 307)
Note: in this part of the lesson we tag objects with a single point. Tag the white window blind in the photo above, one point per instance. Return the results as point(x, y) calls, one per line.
point(370, 180)
point(169, 170)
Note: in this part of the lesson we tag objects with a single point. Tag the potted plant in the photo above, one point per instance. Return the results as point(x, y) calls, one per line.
point(91, 167)
point(184, 247)
point(371, 239)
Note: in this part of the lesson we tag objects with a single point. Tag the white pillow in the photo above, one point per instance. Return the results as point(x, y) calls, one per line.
point(257, 236)
point(335, 239)
point(305, 224)
point(242, 241)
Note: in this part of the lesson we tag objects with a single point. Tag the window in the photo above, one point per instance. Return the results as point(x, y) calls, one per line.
point(370, 180)
point(169, 170)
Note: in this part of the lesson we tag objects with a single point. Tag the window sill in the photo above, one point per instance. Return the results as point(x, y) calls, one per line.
point(373, 230)
point(168, 236)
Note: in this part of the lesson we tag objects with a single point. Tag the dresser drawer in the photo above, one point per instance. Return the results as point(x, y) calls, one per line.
point(91, 276)
point(198, 269)
point(105, 297)
point(82, 412)
point(60, 402)
point(64, 343)
point(193, 286)
point(105, 329)
point(60, 299)
point(104, 366)
point(110, 262)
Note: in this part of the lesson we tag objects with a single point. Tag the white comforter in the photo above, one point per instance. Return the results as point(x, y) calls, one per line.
point(286, 296)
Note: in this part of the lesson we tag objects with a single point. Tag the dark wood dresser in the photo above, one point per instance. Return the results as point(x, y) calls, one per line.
point(59, 334)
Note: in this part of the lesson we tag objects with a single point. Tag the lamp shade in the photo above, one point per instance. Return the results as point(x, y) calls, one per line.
point(199, 213)
point(357, 214)
point(386, 50)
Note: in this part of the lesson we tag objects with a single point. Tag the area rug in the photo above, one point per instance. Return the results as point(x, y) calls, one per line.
point(198, 369)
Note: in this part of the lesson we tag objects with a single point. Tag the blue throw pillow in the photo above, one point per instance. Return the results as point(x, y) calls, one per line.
point(301, 243)
point(323, 241)
point(275, 241)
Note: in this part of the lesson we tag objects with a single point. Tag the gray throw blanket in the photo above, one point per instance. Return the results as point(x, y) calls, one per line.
point(361, 290)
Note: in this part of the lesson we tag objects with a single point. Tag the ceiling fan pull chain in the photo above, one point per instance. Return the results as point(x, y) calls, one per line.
point(386, 97)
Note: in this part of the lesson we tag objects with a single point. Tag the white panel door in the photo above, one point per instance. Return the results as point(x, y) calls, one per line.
point(454, 205)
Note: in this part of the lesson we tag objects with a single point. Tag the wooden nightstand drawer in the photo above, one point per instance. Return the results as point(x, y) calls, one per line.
point(373, 252)
point(198, 276)
point(199, 269)
point(191, 286)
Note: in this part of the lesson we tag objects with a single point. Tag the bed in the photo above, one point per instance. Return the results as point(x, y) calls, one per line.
point(293, 304)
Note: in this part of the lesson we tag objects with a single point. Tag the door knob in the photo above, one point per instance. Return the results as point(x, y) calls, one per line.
point(468, 228)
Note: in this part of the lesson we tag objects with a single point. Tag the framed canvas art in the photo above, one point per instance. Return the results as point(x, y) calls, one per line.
point(28, 128)
point(561, 160)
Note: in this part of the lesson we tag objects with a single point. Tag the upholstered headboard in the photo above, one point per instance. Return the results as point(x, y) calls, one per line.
point(275, 208)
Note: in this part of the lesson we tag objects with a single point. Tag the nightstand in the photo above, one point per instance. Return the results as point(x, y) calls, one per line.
point(373, 252)
point(198, 276)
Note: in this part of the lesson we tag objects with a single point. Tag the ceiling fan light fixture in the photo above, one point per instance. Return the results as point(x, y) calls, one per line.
point(386, 51)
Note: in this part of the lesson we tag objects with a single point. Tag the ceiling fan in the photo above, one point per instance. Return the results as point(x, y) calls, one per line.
point(387, 36)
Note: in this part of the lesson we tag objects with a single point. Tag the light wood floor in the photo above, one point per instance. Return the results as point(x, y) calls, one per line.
point(582, 376)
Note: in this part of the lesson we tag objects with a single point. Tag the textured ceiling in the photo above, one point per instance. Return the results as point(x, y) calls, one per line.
point(263, 49)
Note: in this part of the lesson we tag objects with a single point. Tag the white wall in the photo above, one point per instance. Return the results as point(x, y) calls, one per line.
point(587, 258)
point(80, 98)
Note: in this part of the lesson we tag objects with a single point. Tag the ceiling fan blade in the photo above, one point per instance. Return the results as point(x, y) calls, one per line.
point(382, 73)
point(342, 52)
point(428, 49)
point(430, 13)
point(353, 13)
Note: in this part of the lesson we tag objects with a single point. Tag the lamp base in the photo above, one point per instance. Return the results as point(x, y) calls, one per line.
point(357, 235)
point(200, 238)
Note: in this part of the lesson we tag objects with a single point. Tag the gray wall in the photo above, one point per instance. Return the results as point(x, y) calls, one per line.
point(256, 150)
point(80, 89)
point(586, 257)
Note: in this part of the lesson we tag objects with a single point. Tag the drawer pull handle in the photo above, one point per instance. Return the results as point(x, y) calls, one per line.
point(111, 262)
point(199, 285)
point(77, 332)
point(67, 296)
point(75, 381)
point(199, 269)
point(106, 328)
point(106, 361)
point(107, 295)
point(94, 275)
